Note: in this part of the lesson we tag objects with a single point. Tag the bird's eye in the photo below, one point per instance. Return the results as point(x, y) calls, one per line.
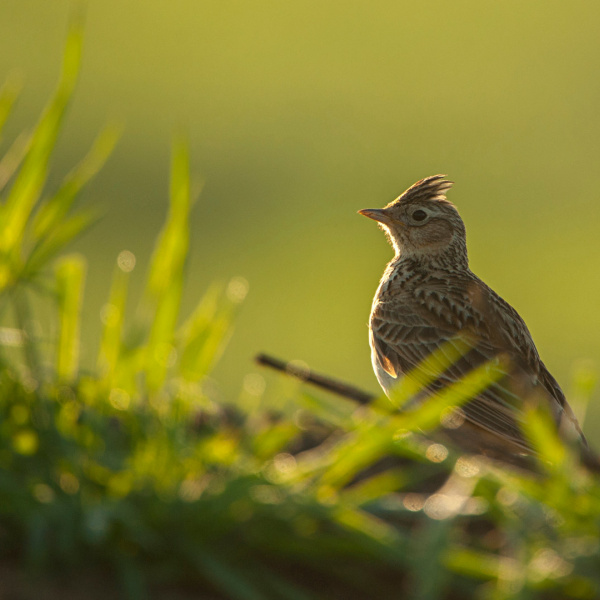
point(419, 215)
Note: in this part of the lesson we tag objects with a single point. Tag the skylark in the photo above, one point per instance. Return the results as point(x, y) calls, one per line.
point(428, 299)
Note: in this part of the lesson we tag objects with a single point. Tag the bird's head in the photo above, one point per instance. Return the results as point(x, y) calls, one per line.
point(422, 221)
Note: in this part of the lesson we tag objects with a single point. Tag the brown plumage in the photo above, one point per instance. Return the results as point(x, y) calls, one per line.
point(429, 299)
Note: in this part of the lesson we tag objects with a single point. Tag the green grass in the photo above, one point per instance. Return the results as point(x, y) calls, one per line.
point(134, 475)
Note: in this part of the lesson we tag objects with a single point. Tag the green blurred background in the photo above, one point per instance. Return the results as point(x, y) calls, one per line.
point(301, 113)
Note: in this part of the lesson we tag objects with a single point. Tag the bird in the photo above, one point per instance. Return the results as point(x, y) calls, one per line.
point(428, 301)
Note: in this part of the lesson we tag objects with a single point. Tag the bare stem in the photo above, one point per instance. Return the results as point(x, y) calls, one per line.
point(321, 381)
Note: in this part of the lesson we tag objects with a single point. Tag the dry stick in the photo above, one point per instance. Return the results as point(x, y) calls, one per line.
point(321, 381)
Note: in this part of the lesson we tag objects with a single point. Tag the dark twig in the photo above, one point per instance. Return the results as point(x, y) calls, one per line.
point(321, 381)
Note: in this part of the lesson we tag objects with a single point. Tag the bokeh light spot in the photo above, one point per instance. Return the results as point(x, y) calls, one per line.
point(284, 463)
point(43, 493)
point(26, 442)
point(126, 261)
point(413, 502)
point(11, 337)
point(119, 399)
point(266, 494)
point(436, 453)
point(507, 496)
point(237, 289)
point(254, 384)
point(467, 466)
point(452, 417)
point(546, 563)
point(442, 506)
point(69, 483)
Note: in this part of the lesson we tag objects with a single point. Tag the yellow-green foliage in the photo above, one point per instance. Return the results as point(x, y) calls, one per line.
point(135, 470)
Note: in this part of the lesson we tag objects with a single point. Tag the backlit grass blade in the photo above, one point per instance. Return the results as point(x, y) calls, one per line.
point(330, 408)
point(585, 381)
point(171, 248)
point(374, 436)
point(8, 95)
point(205, 334)
point(12, 160)
point(114, 316)
point(165, 280)
point(273, 439)
point(427, 371)
point(55, 209)
point(215, 339)
point(30, 180)
point(540, 429)
point(363, 447)
point(194, 333)
point(376, 535)
point(473, 383)
point(70, 275)
point(64, 232)
point(474, 563)
point(374, 488)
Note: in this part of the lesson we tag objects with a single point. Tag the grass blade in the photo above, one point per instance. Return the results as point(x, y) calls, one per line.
point(13, 159)
point(70, 276)
point(205, 334)
point(8, 95)
point(56, 208)
point(32, 176)
point(114, 316)
point(63, 233)
point(165, 280)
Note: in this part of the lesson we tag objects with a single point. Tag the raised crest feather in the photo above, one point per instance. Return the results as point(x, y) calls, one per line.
point(430, 188)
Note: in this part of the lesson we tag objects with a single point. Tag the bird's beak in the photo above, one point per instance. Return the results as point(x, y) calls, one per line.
point(377, 214)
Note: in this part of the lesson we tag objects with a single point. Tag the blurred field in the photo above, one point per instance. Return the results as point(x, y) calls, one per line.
point(302, 113)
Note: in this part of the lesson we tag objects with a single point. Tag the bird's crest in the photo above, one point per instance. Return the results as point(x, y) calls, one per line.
point(430, 188)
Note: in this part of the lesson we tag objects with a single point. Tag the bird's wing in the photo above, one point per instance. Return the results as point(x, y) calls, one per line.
point(404, 335)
